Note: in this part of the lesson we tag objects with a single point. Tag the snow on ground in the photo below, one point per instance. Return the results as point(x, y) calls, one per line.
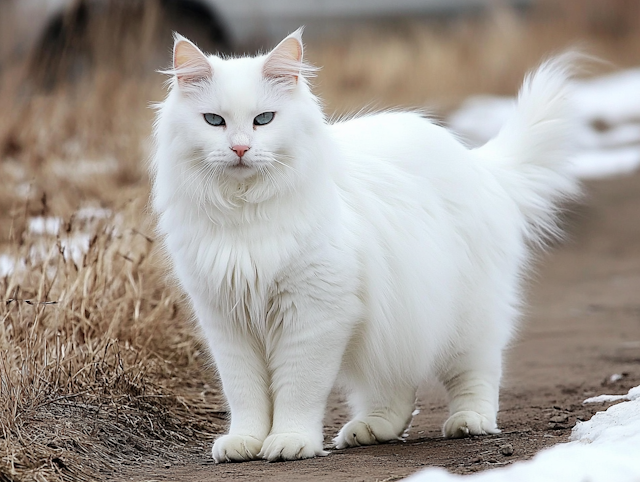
point(603, 449)
point(46, 232)
point(633, 394)
point(608, 110)
point(7, 265)
point(44, 225)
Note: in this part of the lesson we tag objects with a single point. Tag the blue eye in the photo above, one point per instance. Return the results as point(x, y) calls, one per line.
point(214, 120)
point(263, 119)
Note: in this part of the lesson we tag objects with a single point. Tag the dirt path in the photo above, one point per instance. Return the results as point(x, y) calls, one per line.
point(583, 327)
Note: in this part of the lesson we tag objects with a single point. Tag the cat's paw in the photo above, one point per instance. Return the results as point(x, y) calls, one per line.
point(468, 423)
point(236, 448)
point(290, 446)
point(368, 431)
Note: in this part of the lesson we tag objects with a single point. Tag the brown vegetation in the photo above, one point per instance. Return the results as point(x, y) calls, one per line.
point(100, 365)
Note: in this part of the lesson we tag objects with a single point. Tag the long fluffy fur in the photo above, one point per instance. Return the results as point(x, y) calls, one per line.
point(531, 152)
point(370, 253)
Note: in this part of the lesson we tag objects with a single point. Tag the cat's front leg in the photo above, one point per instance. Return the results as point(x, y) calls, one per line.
point(244, 377)
point(304, 366)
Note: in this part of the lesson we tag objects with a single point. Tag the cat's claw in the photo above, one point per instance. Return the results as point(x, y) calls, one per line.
point(290, 446)
point(236, 448)
point(468, 423)
point(369, 431)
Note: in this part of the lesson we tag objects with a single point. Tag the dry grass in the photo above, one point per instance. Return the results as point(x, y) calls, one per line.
point(97, 357)
point(100, 366)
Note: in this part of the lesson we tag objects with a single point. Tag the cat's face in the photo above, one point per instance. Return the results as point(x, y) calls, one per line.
point(240, 115)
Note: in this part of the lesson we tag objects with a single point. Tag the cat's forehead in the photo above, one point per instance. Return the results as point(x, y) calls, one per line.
point(238, 81)
point(237, 67)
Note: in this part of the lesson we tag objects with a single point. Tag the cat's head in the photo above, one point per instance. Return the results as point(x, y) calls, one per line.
point(244, 117)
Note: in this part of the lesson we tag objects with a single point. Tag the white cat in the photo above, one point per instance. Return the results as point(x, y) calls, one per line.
point(370, 253)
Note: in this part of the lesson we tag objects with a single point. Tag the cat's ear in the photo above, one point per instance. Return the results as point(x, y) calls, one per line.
point(284, 63)
point(190, 65)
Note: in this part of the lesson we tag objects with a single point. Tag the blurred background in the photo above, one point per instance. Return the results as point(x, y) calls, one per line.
point(85, 69)
point(89, 318)
point(77, 76)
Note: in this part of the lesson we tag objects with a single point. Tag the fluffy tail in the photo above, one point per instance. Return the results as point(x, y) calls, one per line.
point(530, 155)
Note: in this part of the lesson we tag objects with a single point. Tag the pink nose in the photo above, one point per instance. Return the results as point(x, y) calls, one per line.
point(240, 150)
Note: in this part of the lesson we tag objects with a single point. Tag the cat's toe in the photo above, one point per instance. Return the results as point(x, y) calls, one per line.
point(290, 446)
point(236, 448)
point(368, 431)
point(468, 423)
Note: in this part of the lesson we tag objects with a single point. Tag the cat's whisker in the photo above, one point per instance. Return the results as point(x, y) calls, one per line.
point(192, 178)
point(193, 160)
point(212, 175)
point(270, 176)
point(277, 161)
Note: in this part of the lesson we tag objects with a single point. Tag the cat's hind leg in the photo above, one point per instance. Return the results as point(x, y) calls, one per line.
point(379, 417)
point(472, 381)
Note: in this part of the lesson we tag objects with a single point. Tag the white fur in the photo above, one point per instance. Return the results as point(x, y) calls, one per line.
point(370, 253)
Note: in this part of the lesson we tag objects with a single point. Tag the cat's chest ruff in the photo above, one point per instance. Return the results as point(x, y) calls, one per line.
point(234, 270)
point(232, 265)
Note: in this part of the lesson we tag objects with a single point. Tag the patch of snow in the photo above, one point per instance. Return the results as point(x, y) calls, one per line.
point(49, 240)
point(615, 377)
point(602, 449)
point(612, 98)
point(7, 265)
point(633, 394)
point(44, 225)
point(75, 247)
point(600, 163)
point(616, 136)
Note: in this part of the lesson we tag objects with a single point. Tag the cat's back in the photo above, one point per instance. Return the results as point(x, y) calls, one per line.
point(403, 158)
point(406, 140)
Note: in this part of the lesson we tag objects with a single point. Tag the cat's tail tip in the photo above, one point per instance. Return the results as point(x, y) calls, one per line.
point(532, 153)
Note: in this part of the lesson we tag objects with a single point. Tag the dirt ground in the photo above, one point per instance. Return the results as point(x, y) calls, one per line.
point(583, 326)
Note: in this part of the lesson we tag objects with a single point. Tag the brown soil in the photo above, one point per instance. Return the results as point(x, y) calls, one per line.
point(583, 327)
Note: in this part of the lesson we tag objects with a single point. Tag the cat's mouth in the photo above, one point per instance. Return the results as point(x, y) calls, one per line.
point(240, 164)
point(240, 169)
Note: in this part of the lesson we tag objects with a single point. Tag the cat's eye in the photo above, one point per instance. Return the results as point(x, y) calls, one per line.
point(263, 119)
point(214, 119)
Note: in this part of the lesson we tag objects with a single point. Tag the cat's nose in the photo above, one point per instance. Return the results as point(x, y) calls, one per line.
point(240, 150)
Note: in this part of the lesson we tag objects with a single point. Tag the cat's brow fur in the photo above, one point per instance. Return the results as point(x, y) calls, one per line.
point(369, 254)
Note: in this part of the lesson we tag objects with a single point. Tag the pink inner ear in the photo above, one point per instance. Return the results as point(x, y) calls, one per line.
point(284, 60)
point(189, 63)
